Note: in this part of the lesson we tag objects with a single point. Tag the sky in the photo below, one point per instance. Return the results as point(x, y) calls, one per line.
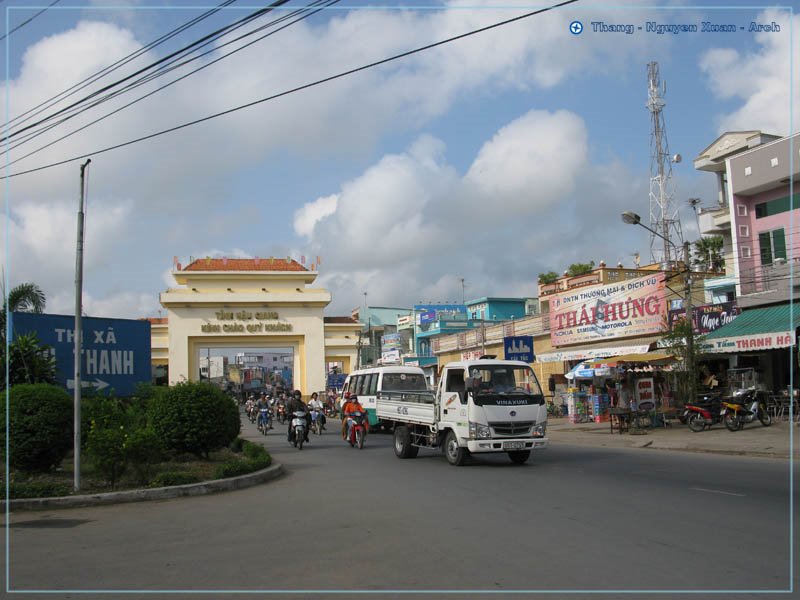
point(491, 158)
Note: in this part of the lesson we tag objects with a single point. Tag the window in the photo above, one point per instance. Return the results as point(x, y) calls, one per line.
point(772, 245)
point(744, 231)
point(777, 206)
point(741, 210)
point(745, 251)
point(373, 384)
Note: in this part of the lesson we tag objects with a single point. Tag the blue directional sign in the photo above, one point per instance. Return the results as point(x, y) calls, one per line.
point(116, 352)
point(518, 347)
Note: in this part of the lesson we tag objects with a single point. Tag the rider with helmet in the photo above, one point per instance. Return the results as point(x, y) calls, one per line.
point(296, 403)
point(351, 406)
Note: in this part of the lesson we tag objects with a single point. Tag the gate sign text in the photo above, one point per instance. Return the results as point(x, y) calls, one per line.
point(116, 352)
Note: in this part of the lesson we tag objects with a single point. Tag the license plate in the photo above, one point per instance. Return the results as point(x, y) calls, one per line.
point(513, 445)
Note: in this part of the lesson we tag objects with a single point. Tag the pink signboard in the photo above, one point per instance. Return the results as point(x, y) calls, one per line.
point(605, 312)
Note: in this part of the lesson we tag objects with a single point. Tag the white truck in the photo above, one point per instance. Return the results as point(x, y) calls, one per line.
point(483, 405)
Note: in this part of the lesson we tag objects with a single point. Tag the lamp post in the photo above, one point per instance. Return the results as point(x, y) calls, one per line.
point(631, 218)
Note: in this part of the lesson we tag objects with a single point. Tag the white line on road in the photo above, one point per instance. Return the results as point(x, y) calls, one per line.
point(717, 492)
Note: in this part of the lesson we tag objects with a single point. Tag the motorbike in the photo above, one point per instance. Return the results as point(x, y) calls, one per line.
point(281, 413)
point(703, 413)
point(316, 421)
point(357, 430)
point(252, 413)
point(745, 406)
point(330, 410)
point(299, 428)
point(264, 420)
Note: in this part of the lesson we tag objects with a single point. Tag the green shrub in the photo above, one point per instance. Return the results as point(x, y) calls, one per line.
point(105, 449)
point(194, 417)
point(168, 478)
point(40, 426)
point(35, 489)
point(254, 451)
point(234, 468)
point(237, 445)
point(144, 451)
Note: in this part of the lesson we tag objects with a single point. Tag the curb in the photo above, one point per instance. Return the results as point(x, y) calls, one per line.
point(142, 495)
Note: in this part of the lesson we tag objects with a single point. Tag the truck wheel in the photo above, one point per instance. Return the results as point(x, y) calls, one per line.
point(455, 454)
point(402, 443)
point(519, 456)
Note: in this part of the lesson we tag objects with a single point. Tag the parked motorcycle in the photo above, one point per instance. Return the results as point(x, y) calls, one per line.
point(299, 428)
point(357, 429)
point(703, 413)
point(745, 406)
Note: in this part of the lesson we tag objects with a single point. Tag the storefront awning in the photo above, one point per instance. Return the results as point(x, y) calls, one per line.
point(600, 350)
point(756, 329)
point(651, 358)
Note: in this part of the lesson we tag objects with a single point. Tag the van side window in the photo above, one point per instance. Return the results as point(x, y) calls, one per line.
point(365, 385)
point(455, 383)
point(372, 390)
point(356, 387)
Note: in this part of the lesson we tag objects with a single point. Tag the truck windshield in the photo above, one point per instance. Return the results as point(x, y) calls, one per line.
point(504, 384)
point(403, 382)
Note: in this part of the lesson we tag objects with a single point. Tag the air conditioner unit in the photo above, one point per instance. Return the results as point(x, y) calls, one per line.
point(779, 262)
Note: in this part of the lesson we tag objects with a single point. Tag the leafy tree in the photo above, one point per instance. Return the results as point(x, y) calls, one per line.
point(674, 341)
point(25, 297)
point(29, 361)
point(580, 269)
point(549, 277)
point(708, 254)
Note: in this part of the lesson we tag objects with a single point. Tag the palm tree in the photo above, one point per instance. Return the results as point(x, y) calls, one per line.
point(708, 254)
point(25, 297)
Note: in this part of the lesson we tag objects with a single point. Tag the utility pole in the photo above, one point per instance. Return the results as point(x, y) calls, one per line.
point(463, 300)
point(79, 331)
point(690, 318)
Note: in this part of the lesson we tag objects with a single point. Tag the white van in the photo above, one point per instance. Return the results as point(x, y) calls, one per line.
point(366, 383)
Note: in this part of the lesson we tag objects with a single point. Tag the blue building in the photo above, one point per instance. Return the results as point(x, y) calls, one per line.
point(501, 309)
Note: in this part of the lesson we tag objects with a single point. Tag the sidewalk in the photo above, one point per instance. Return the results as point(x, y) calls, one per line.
point(753, 440)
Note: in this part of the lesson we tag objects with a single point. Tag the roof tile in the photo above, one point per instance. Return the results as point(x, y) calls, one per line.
point(244, 264)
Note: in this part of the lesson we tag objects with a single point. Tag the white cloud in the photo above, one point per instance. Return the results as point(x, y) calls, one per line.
point(761, 79)
point(409, 228)
point(309, 215)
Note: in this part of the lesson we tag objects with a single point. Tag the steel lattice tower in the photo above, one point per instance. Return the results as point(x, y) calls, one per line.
point(663, 210)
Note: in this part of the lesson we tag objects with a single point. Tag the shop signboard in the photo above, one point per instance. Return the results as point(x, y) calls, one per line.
point(645, 393)
point(116, 352)
point(471, 354)
point(390, 356)
point(749, 343)
point(336, 380)
point(518, 347)
point(598, 313)
point(707, 318)
point(429, 316)
point(390, 341)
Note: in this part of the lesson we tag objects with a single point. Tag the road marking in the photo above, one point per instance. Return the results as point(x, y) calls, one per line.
point(718, 492)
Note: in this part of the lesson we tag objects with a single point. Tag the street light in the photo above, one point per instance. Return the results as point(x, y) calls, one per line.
point(631, 218)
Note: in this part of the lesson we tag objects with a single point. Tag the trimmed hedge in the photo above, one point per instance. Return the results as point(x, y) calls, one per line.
point(40, 427)
point(255, 458)
point(35, 489)
point(195, 418)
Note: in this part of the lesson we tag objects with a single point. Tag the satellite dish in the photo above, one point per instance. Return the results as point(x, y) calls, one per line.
point(677, 158)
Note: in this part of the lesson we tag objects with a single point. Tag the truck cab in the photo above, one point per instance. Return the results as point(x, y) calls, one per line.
point(479, 406)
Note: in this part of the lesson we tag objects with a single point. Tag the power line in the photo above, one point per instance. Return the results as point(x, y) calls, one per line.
point(21, 25)
point(297, 89)
point(147, 79)
point(166, 58)
point(121, 62)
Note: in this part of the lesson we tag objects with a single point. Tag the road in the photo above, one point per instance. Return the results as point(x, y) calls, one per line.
point(573, 518)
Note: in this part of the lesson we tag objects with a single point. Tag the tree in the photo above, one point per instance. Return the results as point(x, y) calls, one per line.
point(25, 297)
point(29, 361)
point(708, 254)
point(580, 269)
point(674, 341)
point(549, 277)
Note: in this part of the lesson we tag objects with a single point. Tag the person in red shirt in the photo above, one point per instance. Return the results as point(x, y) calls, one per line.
point(352, 405)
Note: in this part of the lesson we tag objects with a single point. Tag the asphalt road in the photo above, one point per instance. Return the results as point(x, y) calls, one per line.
point(571, 519)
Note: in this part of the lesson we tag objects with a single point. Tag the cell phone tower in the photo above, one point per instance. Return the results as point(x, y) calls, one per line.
point(663, 210)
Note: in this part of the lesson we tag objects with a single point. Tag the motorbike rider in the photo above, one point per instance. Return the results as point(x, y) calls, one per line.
point(352, 406)
point(296, 403)
point(263, 403)
point(315, 403)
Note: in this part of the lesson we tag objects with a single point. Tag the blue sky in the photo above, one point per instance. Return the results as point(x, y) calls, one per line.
point(492, 158)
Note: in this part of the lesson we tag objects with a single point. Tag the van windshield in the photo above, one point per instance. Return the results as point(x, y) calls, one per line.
point(505, 385)
point(403, 382)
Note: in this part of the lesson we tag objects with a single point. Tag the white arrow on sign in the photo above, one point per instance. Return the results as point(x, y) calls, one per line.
point(97, 383)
